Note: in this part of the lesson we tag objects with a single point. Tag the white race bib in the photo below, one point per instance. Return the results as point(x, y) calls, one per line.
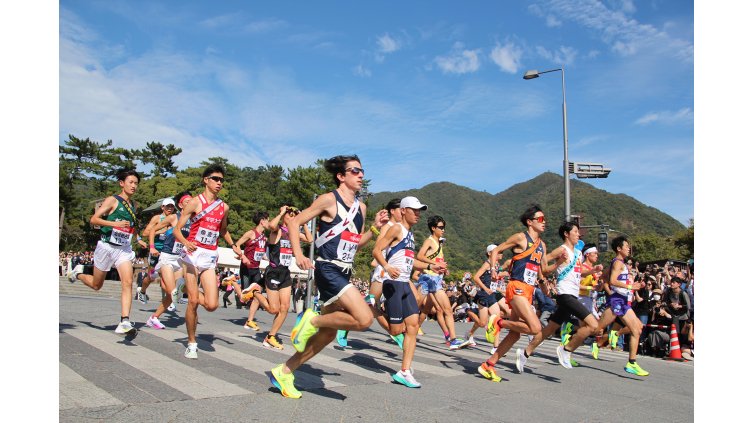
point(285, 253)
point(121, 236)
point(531, 273)
point(177, 248)
point(207, 236)
point(409, 260)
point(258, 254)
point(348, 246)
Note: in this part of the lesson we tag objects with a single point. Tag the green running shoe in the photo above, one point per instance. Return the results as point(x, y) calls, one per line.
point(488, 373)
point(565, 332)
point(635, 369)
point(613, 338)
point(303, 330)
point(399, 339)
point(594, 350)
point(342, 338)
point(284, 382)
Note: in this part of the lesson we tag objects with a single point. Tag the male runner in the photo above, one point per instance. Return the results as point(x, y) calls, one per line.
point(487, 300)
point(250, 262)
point(432, 283)
point(155, 246)
point(401, 306)
point(341, 232)
point(117, 220)
point(590, 284)
point(207, 214)
point(528, 262)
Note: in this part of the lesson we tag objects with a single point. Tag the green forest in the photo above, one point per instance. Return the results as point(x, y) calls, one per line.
point(474, 219)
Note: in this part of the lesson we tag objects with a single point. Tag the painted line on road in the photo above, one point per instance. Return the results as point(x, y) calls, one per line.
point(77, 392)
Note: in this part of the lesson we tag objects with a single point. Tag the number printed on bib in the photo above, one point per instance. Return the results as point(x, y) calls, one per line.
point(258, 254)
point(121, 236)
point(285, 252)
point(409, 259)
point(348, 246)
point(531, 273)
point(207, 236)
point(177, 248)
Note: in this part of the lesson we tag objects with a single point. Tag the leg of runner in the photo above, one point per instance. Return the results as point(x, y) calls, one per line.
point(168, 279)
point(635, 326)
point(279, 303)
point(209, 300)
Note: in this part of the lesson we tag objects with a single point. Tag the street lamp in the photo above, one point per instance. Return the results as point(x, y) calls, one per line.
point(532, 74)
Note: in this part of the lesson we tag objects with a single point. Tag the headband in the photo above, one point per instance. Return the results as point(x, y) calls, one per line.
point(590, 250)
point(183, 198)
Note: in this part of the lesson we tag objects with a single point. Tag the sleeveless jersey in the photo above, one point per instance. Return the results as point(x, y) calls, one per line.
point(341, 248)
point(280, 254)
point(120, 236)
point(170, 244)
point(402, 255)
point(378, 271)
point(160, 238)
point(205, 231)
point(488, 280)
point(623, 277)
point(569, 283)
point(525, 265)
point(254, 250)
point(589, 280)
point(437, 256)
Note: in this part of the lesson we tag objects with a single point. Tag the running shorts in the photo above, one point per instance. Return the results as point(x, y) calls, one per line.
point(331, 280)
point(430, 283)
point(618, 304)
point(568, 305)
point(521, 289)
point(202, 259)
point(276, 278)
point(168, 260)
point(107, 256)
point(400, 301)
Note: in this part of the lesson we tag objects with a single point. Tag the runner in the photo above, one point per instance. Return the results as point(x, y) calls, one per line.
point(116, 218)
point(401, 306)
point(277, 279)
point(590, 284)
point(341, 232)
point(208, 219)
point(488, 302)
point(250, 262)
point(168, 265)
point(618, 282)
point(568, 275)
point(528, 262)
point(432, 283)
point(155, 247)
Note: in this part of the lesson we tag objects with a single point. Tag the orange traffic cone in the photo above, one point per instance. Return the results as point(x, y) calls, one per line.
point(675, 350)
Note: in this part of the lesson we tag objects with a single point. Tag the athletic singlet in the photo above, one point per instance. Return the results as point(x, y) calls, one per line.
point(402, 255)
point(120, 236)
point(569, 283)
point(254, 250)
point(160, 238)
point(488, 280)
point(205, 232)
point(525, 265)
point(378, 271)
point(437, 256)
point(588, 280)
point(171, 245)
point(280, 254)
point(623, 277)
point(341, 249)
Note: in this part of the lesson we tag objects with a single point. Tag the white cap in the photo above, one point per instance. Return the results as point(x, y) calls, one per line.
point(490, 248)
point(168, 202)
point(412, 203)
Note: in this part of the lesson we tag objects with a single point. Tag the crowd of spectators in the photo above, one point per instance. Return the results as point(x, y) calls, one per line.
point(72, 259)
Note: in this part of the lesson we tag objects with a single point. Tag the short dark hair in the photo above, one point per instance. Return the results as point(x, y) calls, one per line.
point(179, 196)
point(259, 216)
point(434, 221)
point(588, 246)
point(529, 214)
point(618, 242)
point(567, 227)
point(394, 203)
point(213, 168)
point(123, 174)
point(337, 165)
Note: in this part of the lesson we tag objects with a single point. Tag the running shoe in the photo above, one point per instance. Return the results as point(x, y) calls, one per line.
point(399, 339)
point(565, 339)
point(141, 296)
point(154, 323)
point(447, 340)
point(493, 328)
point(181, 286)
point(370, 300)
point(74, 272)
point(171, 307)
point(573, 363)
point(493, 350)
point(563, 357)
point(566, 330)
point(420, 331)
point(284, 382)
point(458, 343)
point(303, 330)
point(125, 327)
point(488, 373)
point(406, 378)
point(342, 338)
point(174, 295)
point(613, 338)
point(191, 351)
point(520, 360)
point(247, 294)
point(183, 301)
point(594, 350)
point(635, 369)
point(271, 341)
point(471, 341)
point(250, 324)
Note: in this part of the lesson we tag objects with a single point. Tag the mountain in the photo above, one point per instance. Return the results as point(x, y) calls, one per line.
point(476, 219)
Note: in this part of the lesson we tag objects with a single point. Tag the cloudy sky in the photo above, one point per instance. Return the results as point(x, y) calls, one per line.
point(422, 91)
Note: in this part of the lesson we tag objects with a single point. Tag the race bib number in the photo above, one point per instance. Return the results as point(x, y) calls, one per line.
point(348, 246)
point(531, 273)
point(258, 254)
point(409, 260)
point(285, 253)
point(577, 272)
point(207, 236)
point(493, 286)
point(121, 236)
point(177, 248)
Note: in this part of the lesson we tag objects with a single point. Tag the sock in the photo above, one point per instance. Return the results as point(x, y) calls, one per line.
point(124, 318)
point(525, 352)
point(446, 334)
point(489, 363)
point(631, 361)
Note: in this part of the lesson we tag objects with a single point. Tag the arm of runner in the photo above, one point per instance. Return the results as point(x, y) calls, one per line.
point(225, 233)
point(106, 208)
point(244, 238)
point(193, 207)
point(306, 235)
point(149, 231)
point(597, 268)
point(274, 223)
point(319, 207)
point(558, 254)
point(382, 216)
point(476, 277)
point(392, 234)
point(160, 226)
point(615, 271)
point(516, 240)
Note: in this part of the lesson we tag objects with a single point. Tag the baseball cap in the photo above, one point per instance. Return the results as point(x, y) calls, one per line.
point(412, 203)
point(168, 202)
point(490, 248)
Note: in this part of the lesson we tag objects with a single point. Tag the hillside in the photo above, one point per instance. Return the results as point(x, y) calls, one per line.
point(476, 219)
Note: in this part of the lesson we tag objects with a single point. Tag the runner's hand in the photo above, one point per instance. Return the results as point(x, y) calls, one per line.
point(153, 251)
point(304, 263)
point(392, 271)
point(121, 224)
point(381, 218)
point(191, 247)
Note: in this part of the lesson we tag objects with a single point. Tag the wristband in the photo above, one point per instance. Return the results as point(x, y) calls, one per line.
point(374, 230)
point(152, 246)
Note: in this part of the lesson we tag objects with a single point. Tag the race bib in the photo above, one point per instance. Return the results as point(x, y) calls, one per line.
point(409, 260)
point(207, 236)
point(348, 246)
point(493, 286)
point(258, 254)
point(285, 253)
point(121, 236)
point(177, 248)
point(531, 274)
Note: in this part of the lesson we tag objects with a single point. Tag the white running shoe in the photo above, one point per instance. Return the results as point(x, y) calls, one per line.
point(191, 351)
point(140, 296)
point(174, 295)
point(493, 350)
point(564, 357)
point(153, 322)
point(171, 307)
point(124, 327)
point(73, 273)
point(471, 341)
point(521, 360)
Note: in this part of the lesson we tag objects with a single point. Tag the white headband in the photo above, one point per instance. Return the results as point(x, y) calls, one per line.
point(590, 250)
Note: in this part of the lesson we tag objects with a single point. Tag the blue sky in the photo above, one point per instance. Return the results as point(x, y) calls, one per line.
point(421, 91)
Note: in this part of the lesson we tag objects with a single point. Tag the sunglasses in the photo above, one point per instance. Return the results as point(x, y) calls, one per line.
point(440, 227)
point(356, 170)
point(539, 219)
point(216, 178)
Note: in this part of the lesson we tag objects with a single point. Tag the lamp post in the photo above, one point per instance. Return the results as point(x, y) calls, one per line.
point(532, 74)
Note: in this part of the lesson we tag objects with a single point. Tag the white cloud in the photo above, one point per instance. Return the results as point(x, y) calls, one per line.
point(265, 25)
point(507, 57)
point(682, 116)
point(459, 60)
point(387, 44)
point(563, 55)
point(552, 22)
point(361, 70)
